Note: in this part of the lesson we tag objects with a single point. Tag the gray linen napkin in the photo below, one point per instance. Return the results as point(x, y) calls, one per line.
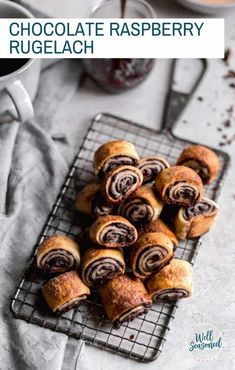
point(32, 169)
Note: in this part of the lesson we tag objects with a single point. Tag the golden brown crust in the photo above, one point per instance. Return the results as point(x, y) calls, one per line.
point(108, 182)
point(102, 223)
point(178, 174)
point(58, 242)
point(86, 196)
point(195, 226)
point(63, 288)
point(121, 294)
point(97, 254)
point(176, 275)
point(146, 194)
point(204, 156)
point(144, 245)
point(160, 226)
point(113, 149)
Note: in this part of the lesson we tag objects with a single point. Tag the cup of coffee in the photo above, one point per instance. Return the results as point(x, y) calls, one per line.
point(18, 77)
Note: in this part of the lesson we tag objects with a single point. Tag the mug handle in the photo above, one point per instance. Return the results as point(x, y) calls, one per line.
point(21, 100)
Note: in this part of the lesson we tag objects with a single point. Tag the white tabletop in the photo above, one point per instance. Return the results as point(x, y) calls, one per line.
point(213, 300)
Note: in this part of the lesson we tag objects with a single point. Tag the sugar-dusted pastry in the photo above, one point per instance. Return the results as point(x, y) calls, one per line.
point(173, 282)
point(202, 160)
point(160, 227)
point(64, 292)
point(100, 265)
point(150, 253)
point(113, 232)
point(114, 154)
point(179, 185)
point(90, 202)
point(120, 183)
point(151, 167)
point(58, 253)
point(193, 221)
point(141, 207)
point(124, 298)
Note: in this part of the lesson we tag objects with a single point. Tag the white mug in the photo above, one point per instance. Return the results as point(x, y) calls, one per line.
point(18, 88)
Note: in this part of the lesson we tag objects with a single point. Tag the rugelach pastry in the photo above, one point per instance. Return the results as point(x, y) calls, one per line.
point(113, 232)
point(179, 185)
point(160, 227)
point(100, 265)
point(114, 154)
point(173, 282)
point(141, 207)
point(90, 202)
point(64, 292)
point(194, 221)
point(58, 254)
point(151, 167)
point(202, 160)
point(150, 253)
point(124, 298)
point(120, 183)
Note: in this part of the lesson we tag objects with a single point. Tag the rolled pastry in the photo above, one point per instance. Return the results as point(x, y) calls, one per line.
point(160, 227)
point(120, 183)
point(202, 160)
point(150, 253)
point(90, 202)
point(173, 282)
point(124, 298)
point(113, 232)
point(179, 185)
point(100, 265)
point(114, 154)
point(64, 292)
point(191, 222)
point(58, 254)
point(151, 167)
point(141, 207)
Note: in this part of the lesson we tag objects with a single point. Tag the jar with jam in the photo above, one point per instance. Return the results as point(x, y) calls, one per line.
point(118, 75)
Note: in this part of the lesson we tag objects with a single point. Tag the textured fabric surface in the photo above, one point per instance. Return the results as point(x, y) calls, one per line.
point(34, 161)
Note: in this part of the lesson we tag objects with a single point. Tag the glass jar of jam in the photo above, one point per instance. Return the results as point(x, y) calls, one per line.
point(118, 75)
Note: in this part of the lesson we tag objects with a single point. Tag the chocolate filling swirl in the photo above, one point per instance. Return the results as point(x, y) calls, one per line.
point(151, 259)
point(137, 211)
point(73, 303)
point(131, 314)
point(171, 294)
point(103, 269)
point(58, 260)
point(117, 232)
point(199, 168)
point(201, 208)
point(114, 162)
point(151, 167)
point(99, 208)
point(181, 191)
point(122, 183)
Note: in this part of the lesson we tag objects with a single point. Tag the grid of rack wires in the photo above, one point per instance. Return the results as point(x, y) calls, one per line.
point(143, 338)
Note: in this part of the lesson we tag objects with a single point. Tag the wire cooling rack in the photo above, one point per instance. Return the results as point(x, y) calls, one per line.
point(143, 338)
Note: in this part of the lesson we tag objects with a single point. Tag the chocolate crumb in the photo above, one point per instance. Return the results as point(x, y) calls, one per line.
point(227, 56)
point(221, 144)
point(131, 337)
point(200, 98)
point(232, 85)
point(230, 74)
point(227, 123)
point(219, 129)
point(224, 136)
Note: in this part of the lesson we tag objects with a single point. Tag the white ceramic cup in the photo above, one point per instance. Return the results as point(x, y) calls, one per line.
point(18, 89)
